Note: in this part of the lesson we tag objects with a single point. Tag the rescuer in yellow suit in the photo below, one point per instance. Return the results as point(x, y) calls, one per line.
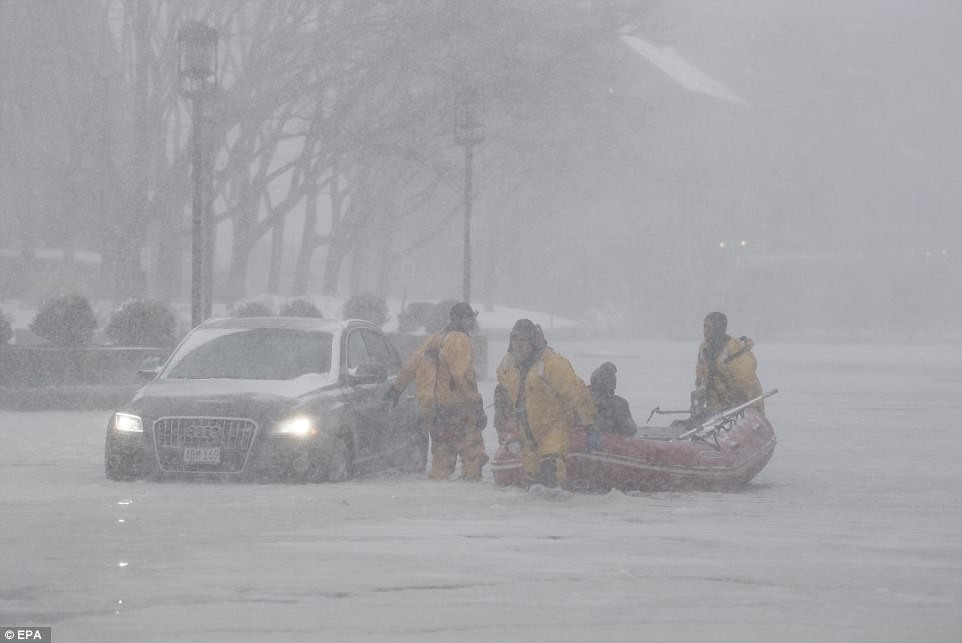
point(541, 401)
point(450, 405)
point(725, 373)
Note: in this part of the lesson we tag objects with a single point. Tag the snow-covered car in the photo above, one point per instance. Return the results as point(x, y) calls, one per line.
point(289, 398)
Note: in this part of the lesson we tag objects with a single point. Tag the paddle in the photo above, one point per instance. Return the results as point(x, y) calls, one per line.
point(706, 426)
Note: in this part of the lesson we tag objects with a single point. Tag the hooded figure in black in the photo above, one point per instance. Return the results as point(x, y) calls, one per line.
point(613, 413)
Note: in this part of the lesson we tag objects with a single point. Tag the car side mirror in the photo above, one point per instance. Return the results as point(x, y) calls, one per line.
point(368, 373)
point(149, 368)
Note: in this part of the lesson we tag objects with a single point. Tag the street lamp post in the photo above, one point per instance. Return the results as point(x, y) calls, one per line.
point(468, 131)
point(197, 72)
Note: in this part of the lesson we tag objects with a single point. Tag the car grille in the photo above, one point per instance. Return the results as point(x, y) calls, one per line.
point(233, 436)
point(230, 433)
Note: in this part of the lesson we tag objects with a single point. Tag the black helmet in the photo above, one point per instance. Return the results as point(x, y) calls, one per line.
point(718, 322)
point(461, 311)
point(525, 328)
point(531, 331)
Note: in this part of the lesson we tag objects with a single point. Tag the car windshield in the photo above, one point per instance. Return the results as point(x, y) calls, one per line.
point(253, 354)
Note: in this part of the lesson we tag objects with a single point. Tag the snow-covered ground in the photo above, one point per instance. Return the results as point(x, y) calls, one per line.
point(852, 533)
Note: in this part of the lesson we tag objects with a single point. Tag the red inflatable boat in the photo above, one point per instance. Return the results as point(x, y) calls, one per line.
point(720, 454)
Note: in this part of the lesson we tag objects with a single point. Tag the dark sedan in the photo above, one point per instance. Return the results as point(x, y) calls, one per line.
point(286, 398)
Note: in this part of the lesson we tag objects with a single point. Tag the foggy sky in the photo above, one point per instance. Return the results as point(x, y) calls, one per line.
point(828, 197)
point(849, 147)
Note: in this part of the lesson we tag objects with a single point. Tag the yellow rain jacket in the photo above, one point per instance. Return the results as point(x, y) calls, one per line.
point(443, 372)
point(555, 401)
point(447, 390)
point(730, 379)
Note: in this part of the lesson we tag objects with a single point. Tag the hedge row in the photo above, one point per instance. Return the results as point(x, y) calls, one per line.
point(69, 320)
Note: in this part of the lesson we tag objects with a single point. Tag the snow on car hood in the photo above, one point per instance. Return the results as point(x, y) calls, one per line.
point(174, 387)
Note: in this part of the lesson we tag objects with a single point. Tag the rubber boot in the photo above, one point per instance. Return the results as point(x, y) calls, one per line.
point(472, 470)
point(549, 473)
point(444, 458)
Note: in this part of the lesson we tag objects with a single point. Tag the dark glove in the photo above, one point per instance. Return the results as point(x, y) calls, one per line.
point(480, 416)
point(592, 438)
point(391, 396)
point(699, 400)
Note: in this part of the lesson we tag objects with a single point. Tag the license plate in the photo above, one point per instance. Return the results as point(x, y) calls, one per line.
point(202, 455)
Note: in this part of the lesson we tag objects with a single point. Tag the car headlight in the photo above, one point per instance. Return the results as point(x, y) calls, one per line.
point(127, 423)
point(298, 425)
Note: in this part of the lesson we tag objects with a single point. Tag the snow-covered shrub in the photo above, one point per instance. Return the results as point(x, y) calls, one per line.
point(142, 323)
point(67, 320)
point(6, 330)
point(300, 308)
point(252, 309)
point(369, 307)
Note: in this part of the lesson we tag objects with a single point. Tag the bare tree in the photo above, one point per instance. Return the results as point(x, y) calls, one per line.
point(336, 115)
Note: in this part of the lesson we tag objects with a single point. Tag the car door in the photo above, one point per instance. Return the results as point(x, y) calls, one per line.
point(394, 419)
point(365, 386)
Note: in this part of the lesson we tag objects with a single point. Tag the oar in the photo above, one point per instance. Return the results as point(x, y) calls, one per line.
point(718, 417)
